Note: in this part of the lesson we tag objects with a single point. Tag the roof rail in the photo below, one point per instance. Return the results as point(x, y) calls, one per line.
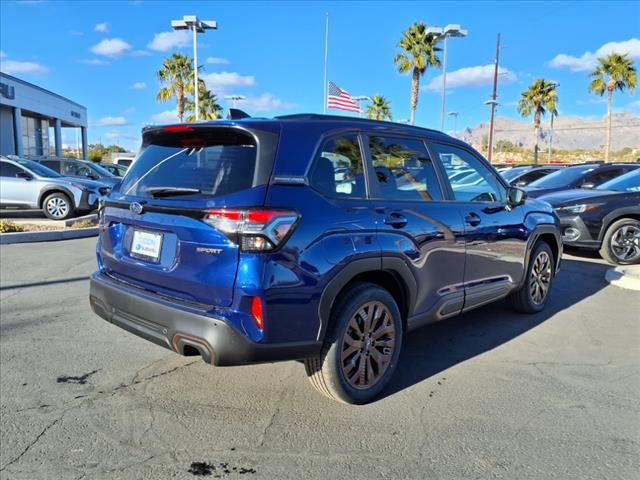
point(318, 116)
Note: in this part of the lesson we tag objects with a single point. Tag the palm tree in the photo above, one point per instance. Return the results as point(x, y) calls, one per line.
point(419, 52)
point(209, 107)
point(175, 75)
point(380, 108)
point(541, 97)
point(613, 72)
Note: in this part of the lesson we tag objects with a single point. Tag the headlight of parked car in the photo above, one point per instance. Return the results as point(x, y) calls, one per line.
point(580, 208)
point(81, 187)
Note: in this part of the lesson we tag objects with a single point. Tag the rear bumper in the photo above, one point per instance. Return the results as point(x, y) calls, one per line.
point(160, 322)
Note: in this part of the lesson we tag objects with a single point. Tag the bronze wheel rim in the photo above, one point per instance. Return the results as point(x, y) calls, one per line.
point(368, 345)
point(540, 278)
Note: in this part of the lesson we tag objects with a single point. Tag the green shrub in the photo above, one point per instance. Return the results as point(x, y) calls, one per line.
point(7, 226)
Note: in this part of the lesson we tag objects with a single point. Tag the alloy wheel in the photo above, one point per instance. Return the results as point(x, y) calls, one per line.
point(57, 207)
point(540, 278)
point(625, 243)
point(368, 345)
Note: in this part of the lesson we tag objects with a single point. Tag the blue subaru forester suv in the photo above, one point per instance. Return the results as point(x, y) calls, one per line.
point(315, 238)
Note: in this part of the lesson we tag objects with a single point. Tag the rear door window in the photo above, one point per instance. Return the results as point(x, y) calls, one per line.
point(337, 170)
point(198, 164)
point(52, 164)
point(403, 169)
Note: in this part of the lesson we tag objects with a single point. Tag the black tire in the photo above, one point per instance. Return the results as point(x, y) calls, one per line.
point(625, 243)
point(327, 372)
point(57, 206)
point(526, 299)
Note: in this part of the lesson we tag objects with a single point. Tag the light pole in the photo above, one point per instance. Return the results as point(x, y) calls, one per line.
point(493, 104)
point(452, 30)
point(360, 98)
point(235, 98)
point(455, 121)
point(191, 22)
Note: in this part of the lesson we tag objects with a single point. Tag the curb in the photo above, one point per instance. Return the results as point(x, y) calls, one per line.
point(47, 236)
point(624, 277)
point(93, 217)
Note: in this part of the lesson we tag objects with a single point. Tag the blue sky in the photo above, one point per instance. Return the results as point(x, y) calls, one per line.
point(105, 54)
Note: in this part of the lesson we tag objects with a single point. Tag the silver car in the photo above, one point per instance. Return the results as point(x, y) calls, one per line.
point(27, 184)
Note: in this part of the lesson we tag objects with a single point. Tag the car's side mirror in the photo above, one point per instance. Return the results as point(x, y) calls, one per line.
point(588, 185)
point(24, 175)
point(515, 197)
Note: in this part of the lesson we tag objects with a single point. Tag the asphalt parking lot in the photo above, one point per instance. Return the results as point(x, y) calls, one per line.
point(491, 394)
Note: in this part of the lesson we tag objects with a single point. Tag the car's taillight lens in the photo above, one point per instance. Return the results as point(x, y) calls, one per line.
point(256, 312)
point(254, 229)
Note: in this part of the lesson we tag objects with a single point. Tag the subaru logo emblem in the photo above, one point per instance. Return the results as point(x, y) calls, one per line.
point(136, 208)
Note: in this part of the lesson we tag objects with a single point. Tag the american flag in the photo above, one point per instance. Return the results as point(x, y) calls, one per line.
point(341, 100)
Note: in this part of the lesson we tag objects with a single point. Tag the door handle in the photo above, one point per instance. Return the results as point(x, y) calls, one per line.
point(396, 220)
point(472, 219)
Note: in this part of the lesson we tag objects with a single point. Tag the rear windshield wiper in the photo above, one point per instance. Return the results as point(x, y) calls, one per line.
point(157, 192)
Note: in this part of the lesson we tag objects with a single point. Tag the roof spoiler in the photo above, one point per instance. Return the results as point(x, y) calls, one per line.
point(235, 114)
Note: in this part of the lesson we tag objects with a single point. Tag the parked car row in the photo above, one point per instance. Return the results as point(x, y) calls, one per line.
point(33, 185)
point(598, 204)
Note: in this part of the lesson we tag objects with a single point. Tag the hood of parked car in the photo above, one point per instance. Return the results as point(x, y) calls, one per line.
point(90, 184)
point(577, 195)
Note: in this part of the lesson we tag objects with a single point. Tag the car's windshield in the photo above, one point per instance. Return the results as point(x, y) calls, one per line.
point(629, 182)
point(37, 168)
point(562, 178)
point(512, 173)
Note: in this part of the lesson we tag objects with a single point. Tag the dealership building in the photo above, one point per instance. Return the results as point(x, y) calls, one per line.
point(32, 119)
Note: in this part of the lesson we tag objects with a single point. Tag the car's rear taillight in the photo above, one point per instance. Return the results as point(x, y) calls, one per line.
point(254, 229)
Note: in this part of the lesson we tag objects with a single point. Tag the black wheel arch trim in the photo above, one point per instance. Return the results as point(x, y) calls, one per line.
point(534, 237)
point(614, 216)
point(350, 271)
point(48, 189)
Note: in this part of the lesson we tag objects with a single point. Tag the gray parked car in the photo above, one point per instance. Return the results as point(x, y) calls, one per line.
point(70, 167)
point(28, 184)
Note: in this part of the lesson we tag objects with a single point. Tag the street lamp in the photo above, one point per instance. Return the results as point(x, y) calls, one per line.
point(360, 98)
point(452, 30)
point(493, 104)
point(455, 121)
point(191, 22)
point(235, 98)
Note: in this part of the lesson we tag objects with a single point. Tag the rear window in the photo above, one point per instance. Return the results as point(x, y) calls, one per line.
point(211, 165)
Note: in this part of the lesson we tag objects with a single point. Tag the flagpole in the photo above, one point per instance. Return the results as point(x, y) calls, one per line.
point(326, 57)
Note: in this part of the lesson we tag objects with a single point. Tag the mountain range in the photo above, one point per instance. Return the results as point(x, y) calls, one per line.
point(569, 133)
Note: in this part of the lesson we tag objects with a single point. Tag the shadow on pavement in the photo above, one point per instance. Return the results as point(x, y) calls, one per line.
point(435, 348)
point(18, 214)
point(45, 283)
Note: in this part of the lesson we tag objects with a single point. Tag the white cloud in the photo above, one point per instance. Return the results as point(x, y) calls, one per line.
point(168, 116)
point(129, 110)
point(217, 61)
point(471, 77)
point(12, 66)
point(165, 41)
point(111, 47)
point(2, 54)
point(93, 61)
point(102, 27)
point(588, 60)
point(109, 122)
point(266, 102)
point(635, 104)
point(217, 82)
point(138, 86)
